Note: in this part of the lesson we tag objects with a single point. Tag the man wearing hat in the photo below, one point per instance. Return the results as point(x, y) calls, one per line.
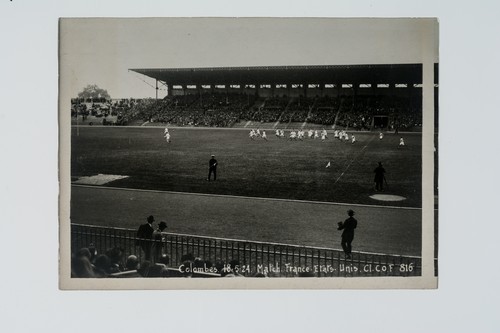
point(144, 234)
point(348, 234)
point(212, 168)
point(159, 241)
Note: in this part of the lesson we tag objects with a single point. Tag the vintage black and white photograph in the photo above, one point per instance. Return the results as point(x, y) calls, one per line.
point(248, 153)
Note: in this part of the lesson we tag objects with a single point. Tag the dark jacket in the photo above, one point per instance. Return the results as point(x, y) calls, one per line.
point(379, 174)
point(144, 231)
point(212, 164)
point(349, 225)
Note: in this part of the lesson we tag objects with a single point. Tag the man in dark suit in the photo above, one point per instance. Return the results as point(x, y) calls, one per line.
point(379, 177)
point(144, 235)
point(212, 168)
point(348, 234)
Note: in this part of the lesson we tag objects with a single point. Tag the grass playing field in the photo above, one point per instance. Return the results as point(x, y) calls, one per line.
point(277, 168)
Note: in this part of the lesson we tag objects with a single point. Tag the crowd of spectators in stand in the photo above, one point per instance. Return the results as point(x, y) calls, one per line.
point(86, 263)
point(226, 109)
point(324, 110)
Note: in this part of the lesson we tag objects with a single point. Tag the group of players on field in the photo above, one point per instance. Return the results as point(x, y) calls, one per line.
point(300, 134)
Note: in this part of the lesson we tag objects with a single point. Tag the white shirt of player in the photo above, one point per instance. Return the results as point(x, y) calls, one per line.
point(336, 134)
point(346, 137)
point(324, 132)
point(401, 142)
point(316, 135)
point(277, 132)
point(264, 136)
point(353, 139)
point(252, 134)
point(257, 133)
point(323, 136)
point(310, 133)
point(293, 135)
point(167, 137)
point(166, 130)
point(282, 133)
point(381, 136)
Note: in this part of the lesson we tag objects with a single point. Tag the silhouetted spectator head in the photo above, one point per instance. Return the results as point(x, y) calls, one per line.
point(164, 259)
point(144, 268)
point(198, 262)
point(116, 257)
point(82, 268)
point(162, 226)
point(132, 262)
point(350, 212)
point(102, 265)
point(84, 252)
point(151, 219)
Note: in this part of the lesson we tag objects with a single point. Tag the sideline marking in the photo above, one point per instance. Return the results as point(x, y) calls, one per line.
point(361, 151)
point(245, 197)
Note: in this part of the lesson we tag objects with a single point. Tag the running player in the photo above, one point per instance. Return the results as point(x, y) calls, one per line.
point(401, 142)
point(264, 136)
point(167, 137)
point(381, 136)
point(278, 133)
point(353, 139)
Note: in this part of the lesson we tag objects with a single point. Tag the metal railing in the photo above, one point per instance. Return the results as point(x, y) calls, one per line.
point(247, 258)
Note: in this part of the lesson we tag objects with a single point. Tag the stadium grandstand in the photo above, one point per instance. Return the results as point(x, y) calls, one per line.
point(353, 97)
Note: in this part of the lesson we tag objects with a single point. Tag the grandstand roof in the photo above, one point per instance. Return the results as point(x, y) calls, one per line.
point(395, 73)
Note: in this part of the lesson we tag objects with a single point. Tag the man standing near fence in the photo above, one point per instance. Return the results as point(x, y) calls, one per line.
point(144, 235)
point(348, 234)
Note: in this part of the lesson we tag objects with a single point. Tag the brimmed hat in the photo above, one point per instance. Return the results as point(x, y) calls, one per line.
point(151, 219)
point(350, 212)
point(162, 225)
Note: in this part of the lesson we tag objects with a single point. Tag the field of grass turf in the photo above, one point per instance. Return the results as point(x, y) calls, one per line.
point(277, 168)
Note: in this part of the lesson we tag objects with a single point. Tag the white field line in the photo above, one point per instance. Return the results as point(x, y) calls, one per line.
point(245, 197)
point(353, 161)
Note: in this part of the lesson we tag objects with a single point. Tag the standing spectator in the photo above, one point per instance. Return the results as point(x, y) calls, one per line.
point(379, 177)
point(144, 235)
point(212, 168)
point(159, 241)
point(348, 234)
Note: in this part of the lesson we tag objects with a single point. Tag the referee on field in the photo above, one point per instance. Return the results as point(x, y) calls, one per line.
point(212, 168)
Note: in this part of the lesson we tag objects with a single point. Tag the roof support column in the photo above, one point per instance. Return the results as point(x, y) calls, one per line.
point(156, 88)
